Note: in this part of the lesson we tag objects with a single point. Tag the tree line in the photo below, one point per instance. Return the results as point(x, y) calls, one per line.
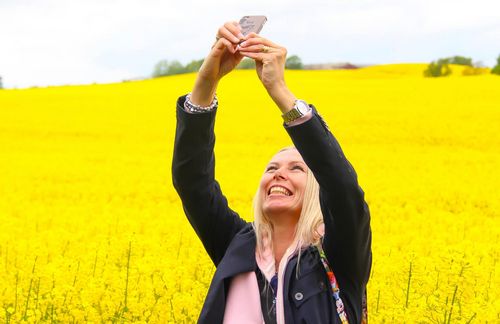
point(438, 68)
point(165, 67)
point(441, 67)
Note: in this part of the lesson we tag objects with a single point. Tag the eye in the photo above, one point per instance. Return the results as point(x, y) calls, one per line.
point(298, 167)
point(271, 168)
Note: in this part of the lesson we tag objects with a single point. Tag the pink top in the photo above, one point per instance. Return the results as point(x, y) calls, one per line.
point(243, 300)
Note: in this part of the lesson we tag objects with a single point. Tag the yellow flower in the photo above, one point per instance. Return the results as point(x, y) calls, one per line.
point(92, 230)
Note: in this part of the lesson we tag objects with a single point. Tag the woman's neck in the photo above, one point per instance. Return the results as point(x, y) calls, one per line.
point(283, 235)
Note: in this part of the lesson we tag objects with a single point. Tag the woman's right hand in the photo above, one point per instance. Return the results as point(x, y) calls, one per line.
point(221, 60)
point(223, 57)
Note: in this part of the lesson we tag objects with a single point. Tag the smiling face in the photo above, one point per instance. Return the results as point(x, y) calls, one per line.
point(283, 184)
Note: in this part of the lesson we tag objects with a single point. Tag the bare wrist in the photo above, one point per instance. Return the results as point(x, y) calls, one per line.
point(283, 98)
point(203, 92)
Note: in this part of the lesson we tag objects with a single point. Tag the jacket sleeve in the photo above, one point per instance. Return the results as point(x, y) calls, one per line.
point(193, 176)
point(347, 240)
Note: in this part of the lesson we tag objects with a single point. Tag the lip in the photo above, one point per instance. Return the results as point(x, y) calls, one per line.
point(281, 186)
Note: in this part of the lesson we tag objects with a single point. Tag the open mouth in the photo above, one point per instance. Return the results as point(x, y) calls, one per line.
point(279, 190)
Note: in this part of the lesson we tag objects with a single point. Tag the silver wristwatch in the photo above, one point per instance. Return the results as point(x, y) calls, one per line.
point(300, 108)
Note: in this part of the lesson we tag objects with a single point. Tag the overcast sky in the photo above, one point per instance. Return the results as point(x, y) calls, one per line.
point(53, 42)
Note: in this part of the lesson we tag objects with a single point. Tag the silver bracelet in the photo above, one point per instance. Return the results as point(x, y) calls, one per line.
point(193, 108)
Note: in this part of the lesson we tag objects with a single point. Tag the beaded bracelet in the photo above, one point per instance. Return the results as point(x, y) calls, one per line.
point(193, 108)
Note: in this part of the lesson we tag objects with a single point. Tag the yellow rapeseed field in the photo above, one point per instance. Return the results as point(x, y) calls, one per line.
point(93, 231)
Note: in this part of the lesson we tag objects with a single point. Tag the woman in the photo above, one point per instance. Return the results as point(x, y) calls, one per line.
point(277, 269)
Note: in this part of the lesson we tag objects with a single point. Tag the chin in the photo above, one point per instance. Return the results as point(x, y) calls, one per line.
point(277, 208)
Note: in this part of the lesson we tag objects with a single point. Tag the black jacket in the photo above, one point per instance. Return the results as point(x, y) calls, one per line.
point(230, 241)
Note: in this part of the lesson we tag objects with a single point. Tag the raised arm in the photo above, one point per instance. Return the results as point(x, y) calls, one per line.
point(193, 161)
point(347, 240)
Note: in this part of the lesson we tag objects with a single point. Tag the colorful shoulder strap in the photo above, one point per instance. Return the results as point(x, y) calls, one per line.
point(336, 291)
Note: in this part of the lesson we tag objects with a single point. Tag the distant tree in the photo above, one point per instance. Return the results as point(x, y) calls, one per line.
point(441, 67)
point(193, 66)
point(496, 68)
point(433, 70)
point(445, 69)
point(175, 67)
point(246, 64)
point(438, 68)
point(460, 60)
point(160, 69)
point(164, 67)
point(1, 84)
point(294, 63)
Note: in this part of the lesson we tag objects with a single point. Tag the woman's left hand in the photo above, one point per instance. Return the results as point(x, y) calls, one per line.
point(270, 60)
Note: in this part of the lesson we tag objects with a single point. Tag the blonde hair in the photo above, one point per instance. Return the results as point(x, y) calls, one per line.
point(310, 218)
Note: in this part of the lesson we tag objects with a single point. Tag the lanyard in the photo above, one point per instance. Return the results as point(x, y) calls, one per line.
point(336, 291)
point(334, 285)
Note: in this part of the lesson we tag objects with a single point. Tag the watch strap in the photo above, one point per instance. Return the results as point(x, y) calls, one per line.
point(292, 115)
point(295, 113)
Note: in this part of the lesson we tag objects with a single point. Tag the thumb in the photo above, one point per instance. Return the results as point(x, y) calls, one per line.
point(223, 44)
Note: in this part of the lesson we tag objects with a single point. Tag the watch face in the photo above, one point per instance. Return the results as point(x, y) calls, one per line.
point(302, 106)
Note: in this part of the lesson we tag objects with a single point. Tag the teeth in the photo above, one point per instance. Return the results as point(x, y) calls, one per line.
point(279, 190)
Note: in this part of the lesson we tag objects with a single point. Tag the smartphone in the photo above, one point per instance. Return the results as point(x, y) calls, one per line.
point(252, 24)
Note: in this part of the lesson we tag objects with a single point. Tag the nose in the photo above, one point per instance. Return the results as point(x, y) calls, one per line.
point(278, 174)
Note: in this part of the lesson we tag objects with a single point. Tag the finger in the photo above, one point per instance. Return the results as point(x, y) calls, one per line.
point(258, 49)
point(223, 32)
point(234, 28)
point(258, 40)
point(223, 43)
point(230, 46)
point(238, 29)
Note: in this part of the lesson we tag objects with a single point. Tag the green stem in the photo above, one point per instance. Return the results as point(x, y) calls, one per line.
point(172, 310)
point(17, 283)
point(408, 287)
point(452, 302)
point(25, 316)
point(95, 263)
point(128, 267)
point(180, 244)
point(37, 293)
point(6, 258)
point(378, 299)
point(470, 319)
